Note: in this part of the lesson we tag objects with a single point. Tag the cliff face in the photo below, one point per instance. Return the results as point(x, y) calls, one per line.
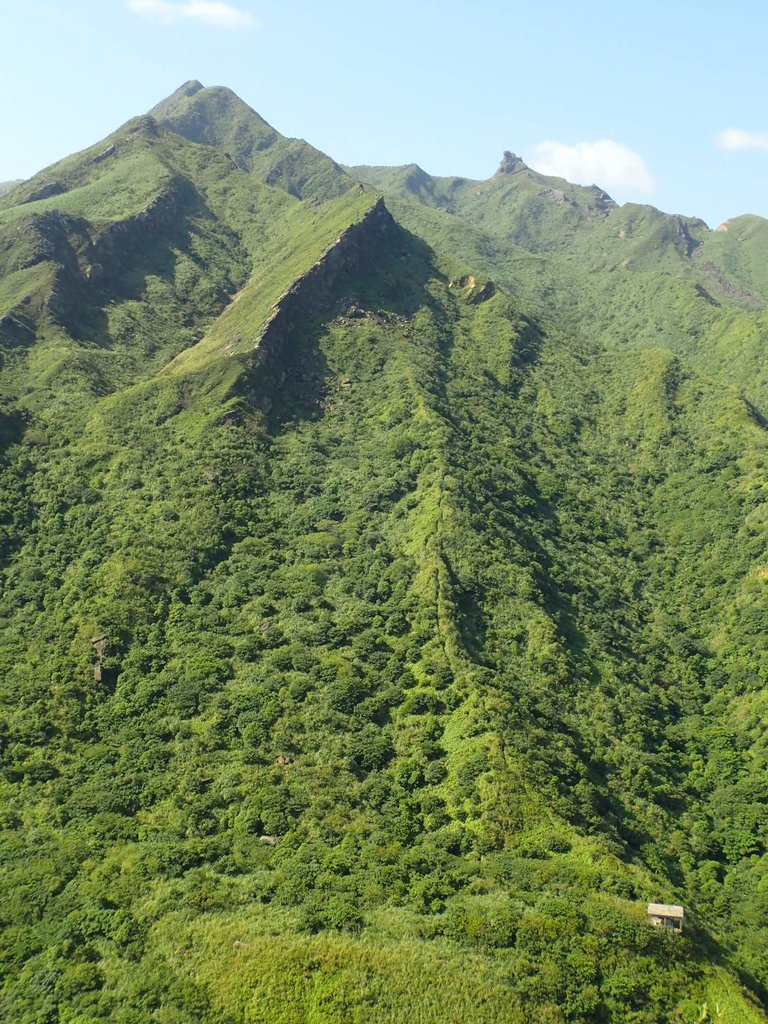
point(315, 293)
point(89, 266)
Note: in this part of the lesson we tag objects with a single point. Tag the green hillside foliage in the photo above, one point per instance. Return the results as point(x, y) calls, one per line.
point(629, 275)
point(738, 247)
point(217, 117)
point(383, 596)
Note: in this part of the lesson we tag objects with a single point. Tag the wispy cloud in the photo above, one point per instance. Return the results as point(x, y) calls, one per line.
point(735, 139)
point(209, 12)
point(604, 162)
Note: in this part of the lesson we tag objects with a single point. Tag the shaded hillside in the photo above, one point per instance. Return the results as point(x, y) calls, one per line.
point(376, 641)
point(630, 275)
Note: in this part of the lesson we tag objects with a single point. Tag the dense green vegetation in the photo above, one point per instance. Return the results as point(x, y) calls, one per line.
point(383, 593)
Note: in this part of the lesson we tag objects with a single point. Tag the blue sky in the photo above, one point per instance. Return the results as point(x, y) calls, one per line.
point(659, 102)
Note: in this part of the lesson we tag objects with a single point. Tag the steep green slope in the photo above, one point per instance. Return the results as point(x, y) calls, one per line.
point(217, 117)
point(738, 249)
point(629, 275)
point(116, 259)
point(374, 645)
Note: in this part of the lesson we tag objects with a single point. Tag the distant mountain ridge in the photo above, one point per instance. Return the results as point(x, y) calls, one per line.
point(572, 253)
point(382, 591)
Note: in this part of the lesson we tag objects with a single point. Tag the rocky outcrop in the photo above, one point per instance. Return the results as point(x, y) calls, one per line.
point(474, 291)
point(52, 188)
point(314, 292)
point(105, 154)
point(510, 163)
point(16, 329)
point(556, 196)
point(684, 235)
point(602, 203)
point(100, 647)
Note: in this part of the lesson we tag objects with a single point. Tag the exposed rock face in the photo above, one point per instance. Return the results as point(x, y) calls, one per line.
point(313, 292)
point(474, 291)
point(556, 196)
point(510, 163)
point(603, 202)
point(53, 188)
point(104, 154)
point(100, 646)
point(681, 229)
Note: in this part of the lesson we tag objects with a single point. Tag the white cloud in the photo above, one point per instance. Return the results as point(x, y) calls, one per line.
point(210, 12)
point(604, 162)
point(736, 139)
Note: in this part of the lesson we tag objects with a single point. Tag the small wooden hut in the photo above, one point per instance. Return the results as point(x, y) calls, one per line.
point(665, 915)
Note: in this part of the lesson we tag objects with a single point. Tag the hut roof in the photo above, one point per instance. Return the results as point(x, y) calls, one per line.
point(665, 910)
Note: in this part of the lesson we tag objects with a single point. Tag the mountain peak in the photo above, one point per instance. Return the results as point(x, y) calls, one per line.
point(510, 163)
point(217, 116)
point(171, 104)
point(189, 88)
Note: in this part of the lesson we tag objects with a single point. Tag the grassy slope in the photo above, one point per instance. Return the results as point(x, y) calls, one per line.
point(174, 230)
point(217, 117)
point(629, 275)
point(357, 583)
point(298, 243)
point(464, 612)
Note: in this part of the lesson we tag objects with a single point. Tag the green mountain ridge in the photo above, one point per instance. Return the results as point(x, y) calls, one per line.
point(383, 591)
point(635, 274)
point(217, 117)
